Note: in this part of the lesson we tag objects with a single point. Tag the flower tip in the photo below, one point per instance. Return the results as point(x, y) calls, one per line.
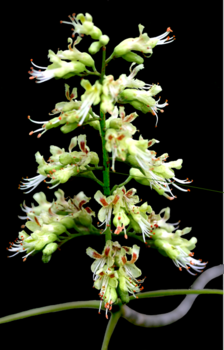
point(31, 133)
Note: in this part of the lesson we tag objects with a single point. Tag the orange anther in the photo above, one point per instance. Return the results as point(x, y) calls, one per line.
point(31, 133)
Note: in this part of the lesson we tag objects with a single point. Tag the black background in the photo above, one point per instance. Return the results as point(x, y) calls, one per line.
point(190, 73)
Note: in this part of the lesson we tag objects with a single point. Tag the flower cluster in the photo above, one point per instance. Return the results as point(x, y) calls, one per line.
point(74, 112)
point(114, 275)
point(171, 244)
point(62, 165)
point(143, 43)
point(48, 221)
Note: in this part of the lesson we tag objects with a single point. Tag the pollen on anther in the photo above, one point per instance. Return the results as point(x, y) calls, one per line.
point(31, 133)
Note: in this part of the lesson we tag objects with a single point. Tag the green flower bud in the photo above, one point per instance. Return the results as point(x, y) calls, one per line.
point(133, 57)
point(84, 218)
point(95, 47)
point(65, 158)
point(46, 258)
point(95, 33)
point(122, 289)
point(54, 227)
point(50, 249)
point(67, 222)
point(104, 39)
point(94, 158)
point(88, 26)
point(44, 239)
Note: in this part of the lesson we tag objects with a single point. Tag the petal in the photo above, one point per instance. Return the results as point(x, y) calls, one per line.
point(98, 283)
point(100, 198)
point(102, 214)
point(93, 253)
point(82, 143)
point(80, 199)
point(135, 254)
point(113, 282)
point(134, 270)
point(73, 143)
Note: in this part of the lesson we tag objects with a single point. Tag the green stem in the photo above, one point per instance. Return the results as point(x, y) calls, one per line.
point(94, 168)
point(106, 162)
point(89, 304)
point(122, 184)
point(109, 58)
point(97, 180)
point(163, 293)
point(88, 73)
point(110, 328)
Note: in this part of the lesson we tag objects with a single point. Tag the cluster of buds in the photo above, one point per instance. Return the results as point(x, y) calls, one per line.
point(83, 25)
point(63, 165)
point(48, 221)
point(114, 275)
point(78, 60)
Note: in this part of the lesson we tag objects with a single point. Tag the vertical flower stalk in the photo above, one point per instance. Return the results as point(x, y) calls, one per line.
point(106, 161)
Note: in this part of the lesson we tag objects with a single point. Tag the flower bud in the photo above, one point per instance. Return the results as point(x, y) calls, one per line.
point(50, 248)
point(94, 158)
point(122, 289)
point(46, 258)
point(95, 33)
point(67, 222)
point(94, 47)
point(84, 218)
point(55, 227)
point(88, 26)
point(133, 57)
point(104, 39)
point(65, 158)
point(44, 239)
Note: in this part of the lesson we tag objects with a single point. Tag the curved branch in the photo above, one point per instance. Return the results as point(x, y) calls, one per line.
point(161, 320)
point(89, 304)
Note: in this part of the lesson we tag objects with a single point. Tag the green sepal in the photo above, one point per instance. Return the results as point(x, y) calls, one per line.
point(133, 57)
point(68, 128)
point(46, 258)
point(122, 290)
